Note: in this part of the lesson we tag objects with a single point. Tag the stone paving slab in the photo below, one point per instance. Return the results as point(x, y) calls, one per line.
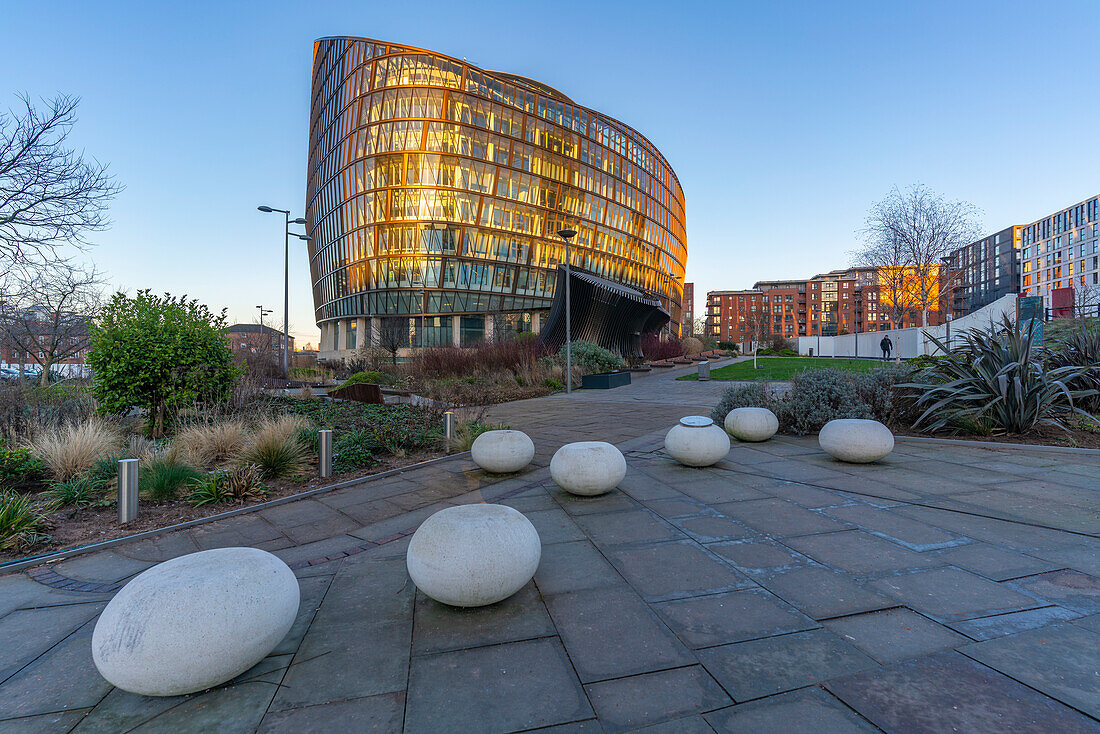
point(519, 685)
point(627, 704)
point(735, 616)
point(779, 590)
point(1060, 660)
point(759, 668)
point(804, 711)
point(947, 692)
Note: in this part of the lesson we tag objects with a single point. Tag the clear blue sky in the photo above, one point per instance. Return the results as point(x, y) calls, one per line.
point(784, 121)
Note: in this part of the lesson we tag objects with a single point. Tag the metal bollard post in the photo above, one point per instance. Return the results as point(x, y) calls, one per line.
point(325, 453)
point(127, 490)
point(449, 429)
point(704, 370)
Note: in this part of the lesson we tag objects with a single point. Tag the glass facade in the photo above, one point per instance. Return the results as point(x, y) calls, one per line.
point(427, 172)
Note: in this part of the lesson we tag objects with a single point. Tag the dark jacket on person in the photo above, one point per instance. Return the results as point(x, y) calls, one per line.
point(886, 345)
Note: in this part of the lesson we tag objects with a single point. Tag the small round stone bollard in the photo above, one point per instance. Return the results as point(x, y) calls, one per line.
point(588, 468)
point(751, 424)
point(697, 441)
point(473, 555)
point(856, 440)
point(502, 452)
point(196, 621)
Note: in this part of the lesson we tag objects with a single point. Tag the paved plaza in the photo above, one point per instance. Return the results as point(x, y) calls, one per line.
point(946, 588)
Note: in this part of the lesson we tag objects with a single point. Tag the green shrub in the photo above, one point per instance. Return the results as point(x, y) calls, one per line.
point(105, 469)
point(78, 492)
point(276, 452)
point(208, 489)
point(752, 395)
point(244, 483)
point(467, 432)
point(18, 466)
point(817, 397)
point(159, 353)
point(21, 523)
point(881, 391)
point(995, 378)
point(1079, 347)
point(593, 358)
point(923, 361)
point(551, 384)
point(354, 450)
point(373, 378)
point(163, 477)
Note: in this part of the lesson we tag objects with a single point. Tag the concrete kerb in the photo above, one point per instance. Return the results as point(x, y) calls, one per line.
point(46, 558)
point(997, 445)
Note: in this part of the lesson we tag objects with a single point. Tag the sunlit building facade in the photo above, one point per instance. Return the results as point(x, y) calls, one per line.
point(436, 190)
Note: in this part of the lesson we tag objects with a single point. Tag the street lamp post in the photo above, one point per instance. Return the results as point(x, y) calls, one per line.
point(263, 312)
point(419, 285)
point(670, 279)
point(566, 235)
point(286, 279)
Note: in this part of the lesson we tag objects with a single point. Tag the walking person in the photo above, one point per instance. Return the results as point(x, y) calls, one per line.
point(886, 346)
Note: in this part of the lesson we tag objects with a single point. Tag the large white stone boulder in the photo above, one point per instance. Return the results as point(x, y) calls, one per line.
point(856, 440)
point(502, 452)
point(195, 621)
point(751, 424)
point(697, 441)
point(588, 468)
point(473, 555)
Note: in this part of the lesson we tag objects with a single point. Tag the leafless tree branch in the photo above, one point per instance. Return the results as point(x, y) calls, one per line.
point(50, 195)
point(45, 311)
point(906, 237)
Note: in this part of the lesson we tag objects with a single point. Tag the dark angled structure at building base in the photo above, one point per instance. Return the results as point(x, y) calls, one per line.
point(612, 315)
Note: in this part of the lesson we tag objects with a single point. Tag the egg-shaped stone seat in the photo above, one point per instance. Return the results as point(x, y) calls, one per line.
point(473, 555)
point(196, 621)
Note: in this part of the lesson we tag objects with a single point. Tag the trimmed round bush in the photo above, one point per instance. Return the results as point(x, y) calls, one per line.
point(473, 555)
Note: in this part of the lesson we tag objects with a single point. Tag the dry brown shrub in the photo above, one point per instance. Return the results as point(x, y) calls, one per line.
point(73, 448)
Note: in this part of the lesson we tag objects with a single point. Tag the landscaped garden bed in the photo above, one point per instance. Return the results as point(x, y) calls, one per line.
point(993, 385)
point(58, 468)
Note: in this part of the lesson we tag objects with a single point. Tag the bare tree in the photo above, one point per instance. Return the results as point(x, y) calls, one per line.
point(393, 334)
point(45, 311)
point(50, 195)
point(912, 231)
point(1086, 300)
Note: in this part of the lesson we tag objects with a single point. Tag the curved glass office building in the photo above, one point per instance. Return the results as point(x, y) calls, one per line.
point(436, 191)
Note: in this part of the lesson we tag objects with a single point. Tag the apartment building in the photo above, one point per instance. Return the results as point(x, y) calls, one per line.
point(838, 302)
point(984, 271)
point(687, 319)
point(1060, 251)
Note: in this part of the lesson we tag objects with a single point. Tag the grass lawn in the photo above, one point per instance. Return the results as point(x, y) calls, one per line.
point(783, 368)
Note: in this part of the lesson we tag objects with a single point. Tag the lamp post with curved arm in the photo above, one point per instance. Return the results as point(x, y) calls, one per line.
point(567, 234)
point(286, 279)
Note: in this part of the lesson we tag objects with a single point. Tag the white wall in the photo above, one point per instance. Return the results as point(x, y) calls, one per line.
point(910, 342)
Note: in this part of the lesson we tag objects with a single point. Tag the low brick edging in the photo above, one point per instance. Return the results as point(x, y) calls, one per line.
point(47, 558)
